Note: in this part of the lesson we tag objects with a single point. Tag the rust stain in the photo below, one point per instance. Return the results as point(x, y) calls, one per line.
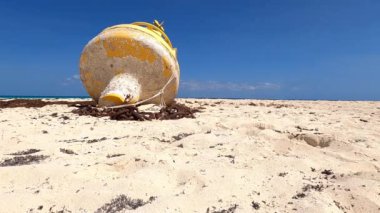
point(94, 87)
point(83, 59)
point(87, 75)
point(118, 71)
point(98, 87)
point(97, 40)
point(172, 87)
point(167, 71)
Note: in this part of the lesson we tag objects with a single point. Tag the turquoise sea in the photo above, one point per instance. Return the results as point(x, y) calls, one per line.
point(231, 98)
point(39, 97)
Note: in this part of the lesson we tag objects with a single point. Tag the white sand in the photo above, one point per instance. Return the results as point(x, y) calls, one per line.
point(232, 153)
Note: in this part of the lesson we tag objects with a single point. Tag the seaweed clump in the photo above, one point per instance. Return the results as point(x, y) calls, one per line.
point(122, 202)
point(23, 160)
point(172, 112)
point(38, 103)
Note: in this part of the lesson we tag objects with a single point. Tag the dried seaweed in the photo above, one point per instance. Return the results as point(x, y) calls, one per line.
point(122, 202)
point(28, 103)
point(23, 160)
point(174, 111)
point(26, 152)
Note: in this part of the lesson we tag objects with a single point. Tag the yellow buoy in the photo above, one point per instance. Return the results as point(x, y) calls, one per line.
point(130, 64)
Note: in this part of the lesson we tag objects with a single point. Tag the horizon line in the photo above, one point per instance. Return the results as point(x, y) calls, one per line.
point(232, 98)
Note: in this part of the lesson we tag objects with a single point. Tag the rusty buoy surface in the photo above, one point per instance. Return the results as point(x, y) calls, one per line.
point(130, 64)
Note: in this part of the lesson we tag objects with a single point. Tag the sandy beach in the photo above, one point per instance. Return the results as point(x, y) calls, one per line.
point(234, 156)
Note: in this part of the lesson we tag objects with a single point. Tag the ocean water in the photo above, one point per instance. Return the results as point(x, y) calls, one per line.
point(196, 97)
point(85, 97)
point(40, 97)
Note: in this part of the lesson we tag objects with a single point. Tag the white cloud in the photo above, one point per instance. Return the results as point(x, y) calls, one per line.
point(226, 86)
point(72, 79)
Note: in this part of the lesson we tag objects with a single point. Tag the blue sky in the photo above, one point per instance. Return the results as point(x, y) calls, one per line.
point(272, 49)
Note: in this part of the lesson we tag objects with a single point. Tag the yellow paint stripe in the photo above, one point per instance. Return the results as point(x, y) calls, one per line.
point(172, 50)
point(123, 44)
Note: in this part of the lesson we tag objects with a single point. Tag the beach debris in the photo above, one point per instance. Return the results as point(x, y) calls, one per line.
point(255, 205)
point(97, 140)
point(123, 202)
point(327, 172)
point(67, 151)
point(300, 128)
point(174, 111)
point(23, 160)
point(213, 146)
point(26, 152)
point(114, 155)
point(308, 187)
point(133, 64)
point(278, 106)
point(86, 140)
point(341, 207)
point(228, 156)
point(181, 136)
point(231, 209)
point(65, 117)
point(38, 103)
point(56, 209)
point(321, 183)
point(162, 140)
point(299, 195)
point(54, 115)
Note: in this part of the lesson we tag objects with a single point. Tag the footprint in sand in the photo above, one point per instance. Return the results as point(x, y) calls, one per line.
point(252, 129)
point(189, 181)
point(314, 139)
point(127, 166)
